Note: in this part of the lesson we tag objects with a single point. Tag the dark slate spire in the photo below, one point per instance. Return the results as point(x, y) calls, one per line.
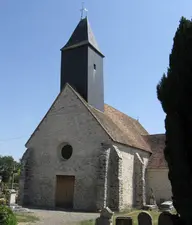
point(82, 35)
point(82, 65)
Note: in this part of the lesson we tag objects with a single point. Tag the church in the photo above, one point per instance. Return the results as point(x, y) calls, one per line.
point(85, 154)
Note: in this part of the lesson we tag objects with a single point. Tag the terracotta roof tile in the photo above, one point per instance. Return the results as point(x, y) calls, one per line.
point(122, 128)
point(157, 143)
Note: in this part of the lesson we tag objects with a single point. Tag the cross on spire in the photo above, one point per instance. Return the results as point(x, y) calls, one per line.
point(83, 11)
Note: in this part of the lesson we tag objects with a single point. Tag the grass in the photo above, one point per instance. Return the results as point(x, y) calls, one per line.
point(134, 214)
point(154, 214)
point(88, 222)
point(24, 218)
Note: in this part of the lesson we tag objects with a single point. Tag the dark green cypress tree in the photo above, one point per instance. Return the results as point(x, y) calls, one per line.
point(174, 91)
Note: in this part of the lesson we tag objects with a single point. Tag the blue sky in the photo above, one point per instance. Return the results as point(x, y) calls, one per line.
point(135, 36)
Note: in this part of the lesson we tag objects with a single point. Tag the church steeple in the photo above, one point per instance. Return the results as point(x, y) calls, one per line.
point(82, 65)
point(82, 35)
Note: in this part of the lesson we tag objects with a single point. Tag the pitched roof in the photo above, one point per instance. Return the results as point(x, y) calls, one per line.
point(131, 129)
point(82, 35)
point(120, 127)
point(157, 143)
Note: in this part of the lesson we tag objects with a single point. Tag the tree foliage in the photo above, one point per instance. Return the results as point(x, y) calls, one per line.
point(174, 91)
point(7, 217)
point(8, 166)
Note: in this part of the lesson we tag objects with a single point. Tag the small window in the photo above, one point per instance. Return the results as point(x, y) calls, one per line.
point(66, 152)
point(94, 66)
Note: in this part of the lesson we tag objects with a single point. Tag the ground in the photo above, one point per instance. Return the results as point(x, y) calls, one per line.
point(71, 218)
point(48, 217)
point(133, 214)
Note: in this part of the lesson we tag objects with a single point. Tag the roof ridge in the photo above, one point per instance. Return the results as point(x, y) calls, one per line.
point(121, 112)
point(92, 113)
point(92, 109)
point(154, 134)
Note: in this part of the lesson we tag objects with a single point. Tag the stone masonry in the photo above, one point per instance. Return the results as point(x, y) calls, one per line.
point(70, 124)
point(103, 170)
point(133, 176)
point(109, 186)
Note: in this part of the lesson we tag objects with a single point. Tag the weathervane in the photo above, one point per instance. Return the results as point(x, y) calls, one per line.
point(83, 10)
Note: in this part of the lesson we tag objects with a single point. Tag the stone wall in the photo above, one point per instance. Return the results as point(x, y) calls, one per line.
point(25, 177)
point(102, 179)
point(115, 200)
point(140, 181)
point(68, 121)
point(22, 178)
point(105, 172)
point(109, 183)
point(157, 179)
point(133, 176)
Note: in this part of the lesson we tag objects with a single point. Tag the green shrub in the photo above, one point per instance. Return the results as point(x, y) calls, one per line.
point(7, 217)
point(2, 201)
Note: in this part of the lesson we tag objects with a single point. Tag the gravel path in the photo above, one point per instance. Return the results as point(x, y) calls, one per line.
point(48, 217)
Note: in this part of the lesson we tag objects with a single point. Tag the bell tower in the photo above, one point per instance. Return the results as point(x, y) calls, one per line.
point(82, 65)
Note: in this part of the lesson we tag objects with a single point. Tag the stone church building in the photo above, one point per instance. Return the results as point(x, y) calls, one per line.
point(84, 154)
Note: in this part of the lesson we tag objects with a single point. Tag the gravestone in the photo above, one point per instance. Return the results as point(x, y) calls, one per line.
point(12, 197)
point(106, 217)
point(144, 218)
point(165, 218)
point(124, 221)
point(166, 206)
point(150, 207)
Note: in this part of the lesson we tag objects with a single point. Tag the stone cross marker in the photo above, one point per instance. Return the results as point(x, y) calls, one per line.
point(165, 219)
point(124, 221)
point(144, 218)
point(106, 217)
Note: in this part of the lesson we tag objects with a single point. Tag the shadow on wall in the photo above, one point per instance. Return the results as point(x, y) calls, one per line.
point(157, 180)
point(113, 180)
point(134, 183)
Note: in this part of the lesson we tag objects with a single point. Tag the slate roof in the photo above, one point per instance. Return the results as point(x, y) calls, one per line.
point(157, 143)
point(82, 35)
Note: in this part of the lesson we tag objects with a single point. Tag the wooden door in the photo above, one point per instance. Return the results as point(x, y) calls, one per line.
point(64, 191)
